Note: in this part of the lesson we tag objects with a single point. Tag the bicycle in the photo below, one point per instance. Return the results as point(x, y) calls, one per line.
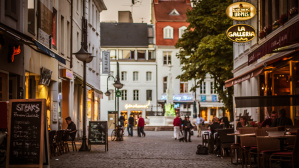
point(118, 132)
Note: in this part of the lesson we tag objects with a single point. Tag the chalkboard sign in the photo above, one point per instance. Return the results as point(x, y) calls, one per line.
point(27, 138)
point(98, 133)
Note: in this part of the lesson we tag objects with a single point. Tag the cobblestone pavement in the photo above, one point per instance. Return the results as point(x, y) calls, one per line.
point(157, 149)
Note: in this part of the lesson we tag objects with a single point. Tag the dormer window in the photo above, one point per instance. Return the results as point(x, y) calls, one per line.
point(174, 12)
point(168, 32)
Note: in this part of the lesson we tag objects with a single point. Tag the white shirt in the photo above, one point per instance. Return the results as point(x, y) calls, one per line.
point(199, 120)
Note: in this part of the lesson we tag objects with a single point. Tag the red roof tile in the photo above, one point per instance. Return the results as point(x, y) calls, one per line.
point(163, 9)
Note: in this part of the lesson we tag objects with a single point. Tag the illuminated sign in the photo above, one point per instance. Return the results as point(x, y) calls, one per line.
point(137, 106)
point(240, 33)
point(16, 51)
point(67, 74)
point(179, 97)
point(241, 11)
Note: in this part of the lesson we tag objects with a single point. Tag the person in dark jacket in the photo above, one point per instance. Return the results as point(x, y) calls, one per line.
point(224, 123)
point(187, 126)
point(71, 127)
point(215, 125)
point(282, 120)
point(243, 122)
point(130, 125)
point(269, 121)
point(122, 120)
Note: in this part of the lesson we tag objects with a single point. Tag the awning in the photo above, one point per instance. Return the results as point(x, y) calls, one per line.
point(266, 101)
point(49, 52)
point(286, 37)
point(245, 76)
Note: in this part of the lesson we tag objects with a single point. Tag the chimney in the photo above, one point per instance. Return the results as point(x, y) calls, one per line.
point(156, 1)
point(188, 2)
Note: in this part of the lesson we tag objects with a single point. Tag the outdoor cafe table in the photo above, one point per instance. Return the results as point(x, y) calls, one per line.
point(281, 138)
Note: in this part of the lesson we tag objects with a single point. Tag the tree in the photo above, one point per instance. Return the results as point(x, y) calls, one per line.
point(205, 49)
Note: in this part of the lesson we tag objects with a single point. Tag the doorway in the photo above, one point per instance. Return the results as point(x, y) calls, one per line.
point(135, 116)
point(111, 119)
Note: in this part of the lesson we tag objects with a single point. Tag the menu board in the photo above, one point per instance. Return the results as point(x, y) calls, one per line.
point(27, 141)
point(98, 133)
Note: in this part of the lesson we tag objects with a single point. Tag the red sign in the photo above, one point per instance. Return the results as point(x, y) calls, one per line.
point(286, 37)
point(16, 51)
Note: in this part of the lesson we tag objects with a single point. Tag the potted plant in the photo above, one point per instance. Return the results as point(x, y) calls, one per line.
point(268, 29)
point(262, 34)
point(276, 24)
point(293, 11)
point(283, 19)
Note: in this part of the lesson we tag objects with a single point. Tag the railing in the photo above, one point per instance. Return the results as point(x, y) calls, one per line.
point(154, 113)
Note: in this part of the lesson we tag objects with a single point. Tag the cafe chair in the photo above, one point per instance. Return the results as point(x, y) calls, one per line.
point(59, 141)
point(265, 147)
point(205, 138)
point(73, 142)
point(286, 156)
point(225, 140)
point(247, 143)
point(52, 143)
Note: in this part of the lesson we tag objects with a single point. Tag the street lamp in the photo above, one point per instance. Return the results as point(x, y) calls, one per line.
point(117, 85)
point(85, 57)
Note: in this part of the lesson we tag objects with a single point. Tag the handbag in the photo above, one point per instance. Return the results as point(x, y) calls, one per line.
point(191, 132)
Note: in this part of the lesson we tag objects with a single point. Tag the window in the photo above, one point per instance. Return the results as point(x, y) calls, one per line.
point(112, 54)
point(174, 12)
point(111, 97)
point(203, 88)
point(136, 95)
point(149, 95)
point(181, 31)
point(166, 57)
point(148, 76)
point(184, 86)
point(212, 88)
point(124, 95)
point(54, 29)
point(31, 16)
point(62, 34)
point(11, 9)
point(141, 54)
point(151, 55)
point(135, 76)
point(125, 17)
point(164, 84)
point(168, 32)
point(123, 75)
point(68, 38)
point(92, 13)
point(126, 54)
point(111, 74)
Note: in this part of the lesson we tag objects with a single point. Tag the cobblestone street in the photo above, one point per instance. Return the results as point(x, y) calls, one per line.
point(157, 149)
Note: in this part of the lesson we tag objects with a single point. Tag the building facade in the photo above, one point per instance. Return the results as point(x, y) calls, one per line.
point(265, 69)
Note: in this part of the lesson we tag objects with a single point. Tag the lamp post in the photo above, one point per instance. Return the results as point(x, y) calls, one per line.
point(85, 57)
point(117, 85)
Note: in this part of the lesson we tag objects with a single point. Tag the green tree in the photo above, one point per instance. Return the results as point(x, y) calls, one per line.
point(205, 49)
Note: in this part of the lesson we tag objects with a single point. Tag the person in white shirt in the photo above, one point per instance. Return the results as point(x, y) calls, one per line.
point(199, 122)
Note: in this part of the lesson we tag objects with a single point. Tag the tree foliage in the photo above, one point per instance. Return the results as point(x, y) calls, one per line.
point(205, 49)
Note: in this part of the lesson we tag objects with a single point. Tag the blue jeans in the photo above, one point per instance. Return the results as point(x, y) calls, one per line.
point(130, 129)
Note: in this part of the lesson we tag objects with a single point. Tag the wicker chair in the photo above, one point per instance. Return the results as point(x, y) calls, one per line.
point(292, 156)
point(265, 147)
point(247, 143)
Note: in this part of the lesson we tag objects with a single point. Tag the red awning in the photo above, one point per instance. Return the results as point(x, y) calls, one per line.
point(245, 76)
point(286, 37)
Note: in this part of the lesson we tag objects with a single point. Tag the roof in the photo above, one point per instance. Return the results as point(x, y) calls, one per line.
point(124, 35)
point(164, 8)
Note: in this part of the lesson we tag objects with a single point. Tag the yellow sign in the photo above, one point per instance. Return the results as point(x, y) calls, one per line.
point(240, 33)
point(241, 11)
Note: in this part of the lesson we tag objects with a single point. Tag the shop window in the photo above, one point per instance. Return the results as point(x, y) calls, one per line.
point(124, 95)
point(168, 32)
point(203, 88)
point(11, 9)
point(184, 86)
point(166, 57)
point(141, 54)
point(182, 31)
point(151, 55)
point(112, 54)
point(31, 16)
point(126, 54)
point(135, 76)
point(164, 84)
point(149, 95)
point(54, 29)
point(123, 75)
point(204, 113)
point(135, 95)
point(148, 76)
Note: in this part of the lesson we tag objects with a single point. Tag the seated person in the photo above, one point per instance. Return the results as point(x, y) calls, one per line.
point(71, 128)
point(215, 125)
point(269, 121)
point(243, 122)
point(282, 120)
point(224, 123)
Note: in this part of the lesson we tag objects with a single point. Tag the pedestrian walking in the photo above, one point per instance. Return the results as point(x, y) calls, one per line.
point(199, 123)
point(177, 126)
point(140, 125)
point(130, 125)
point(187, 126)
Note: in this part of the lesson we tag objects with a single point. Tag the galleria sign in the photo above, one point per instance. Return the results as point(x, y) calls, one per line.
point(241, 11)
point(240, 33)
